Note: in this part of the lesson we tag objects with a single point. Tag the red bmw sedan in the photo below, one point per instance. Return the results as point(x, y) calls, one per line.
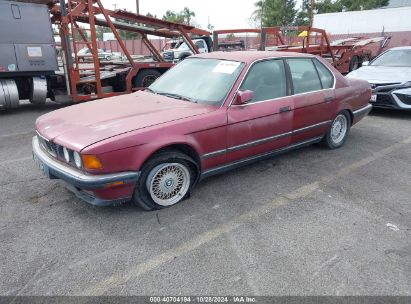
point(209, 114)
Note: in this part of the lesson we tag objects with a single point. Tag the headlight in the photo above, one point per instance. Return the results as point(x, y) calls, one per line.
point(66, 153)
point(77, 159)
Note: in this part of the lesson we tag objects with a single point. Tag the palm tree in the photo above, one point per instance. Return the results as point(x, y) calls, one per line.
point(187, 14)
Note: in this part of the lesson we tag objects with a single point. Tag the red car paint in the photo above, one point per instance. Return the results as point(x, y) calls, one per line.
point(124, 131)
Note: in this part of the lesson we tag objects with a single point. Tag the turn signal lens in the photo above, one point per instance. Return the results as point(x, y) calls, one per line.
point(91, 162)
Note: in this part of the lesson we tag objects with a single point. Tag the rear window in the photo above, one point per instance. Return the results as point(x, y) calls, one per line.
point(304, 75)
point(326, 77)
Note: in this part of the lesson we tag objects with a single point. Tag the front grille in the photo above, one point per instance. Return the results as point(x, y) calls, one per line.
point(50, 147)
point(404, 98)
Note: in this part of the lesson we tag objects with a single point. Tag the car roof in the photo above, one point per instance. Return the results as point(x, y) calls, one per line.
point(250, 56)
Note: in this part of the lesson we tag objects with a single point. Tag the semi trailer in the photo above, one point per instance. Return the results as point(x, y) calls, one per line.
point(27, 53)
point(32, 66)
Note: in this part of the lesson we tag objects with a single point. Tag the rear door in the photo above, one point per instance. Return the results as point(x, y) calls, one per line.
point(263, 124)
point(314, 99)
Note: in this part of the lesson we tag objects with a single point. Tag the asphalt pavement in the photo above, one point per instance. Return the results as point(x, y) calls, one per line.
point(310, 222)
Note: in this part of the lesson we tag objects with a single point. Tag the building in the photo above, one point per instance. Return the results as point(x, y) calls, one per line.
point(392, 21)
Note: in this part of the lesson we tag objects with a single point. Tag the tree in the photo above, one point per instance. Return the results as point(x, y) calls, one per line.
point(275, 12)
point(333, 6)
point(172, 16)
point(185, 16)
point(303, 15)
point(100, 30)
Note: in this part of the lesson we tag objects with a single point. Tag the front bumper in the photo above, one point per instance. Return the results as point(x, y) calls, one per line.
point(82, 184)
point(395, 96)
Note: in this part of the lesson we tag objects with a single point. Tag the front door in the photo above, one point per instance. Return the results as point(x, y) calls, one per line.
point(263, 124)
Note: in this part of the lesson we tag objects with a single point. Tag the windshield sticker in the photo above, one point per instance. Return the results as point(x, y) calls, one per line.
point(227, 67)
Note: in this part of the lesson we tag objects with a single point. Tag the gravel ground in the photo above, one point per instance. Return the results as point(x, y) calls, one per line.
point(311, 222)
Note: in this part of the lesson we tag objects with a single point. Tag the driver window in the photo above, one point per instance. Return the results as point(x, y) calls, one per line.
point(267, 80)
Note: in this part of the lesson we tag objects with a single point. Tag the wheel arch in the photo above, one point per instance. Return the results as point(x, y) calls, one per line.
point(350, 114)
point(182, 147)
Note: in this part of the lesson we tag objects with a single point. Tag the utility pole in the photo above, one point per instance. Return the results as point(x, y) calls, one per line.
point(311, 12)
point(262, 13)
point(137, 7)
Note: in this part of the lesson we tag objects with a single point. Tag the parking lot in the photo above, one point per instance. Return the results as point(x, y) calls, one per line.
point(311, 222)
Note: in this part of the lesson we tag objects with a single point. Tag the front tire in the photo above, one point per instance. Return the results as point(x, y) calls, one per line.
point(338, 132)
point(165, 180)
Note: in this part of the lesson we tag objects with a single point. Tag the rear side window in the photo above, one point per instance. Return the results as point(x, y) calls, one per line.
point(267, 80)
point(327, 79)
point(304, 75)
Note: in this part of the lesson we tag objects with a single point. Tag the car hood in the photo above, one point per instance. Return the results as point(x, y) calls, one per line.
point(382, 74)
point(79, 126)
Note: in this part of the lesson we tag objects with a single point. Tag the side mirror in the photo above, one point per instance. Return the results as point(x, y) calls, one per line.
point(365, 63)
point(243, 97)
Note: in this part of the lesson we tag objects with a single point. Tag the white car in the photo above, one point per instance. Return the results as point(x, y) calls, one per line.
point(85, 54)
point(389, 75)
point(182, 51)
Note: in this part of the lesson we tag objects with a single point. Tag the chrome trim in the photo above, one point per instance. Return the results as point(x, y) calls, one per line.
point(214, 154)
point(262, 140)
point(258, 142)
point(255, 158)
point(312, 126)
point(363, 111)
point(279, 58)
point(75, 177)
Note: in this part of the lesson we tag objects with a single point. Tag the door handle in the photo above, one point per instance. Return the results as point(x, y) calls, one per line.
point(329, 98)
point(285, 109)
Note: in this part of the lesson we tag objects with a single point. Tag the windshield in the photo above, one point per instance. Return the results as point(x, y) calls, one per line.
point(201, 80)
point(399, 58)
point(183, 46)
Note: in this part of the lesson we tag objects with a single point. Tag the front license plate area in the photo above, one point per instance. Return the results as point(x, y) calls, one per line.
point(43, 168)
point(373, 98)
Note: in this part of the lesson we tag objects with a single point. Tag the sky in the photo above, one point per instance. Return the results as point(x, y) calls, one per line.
point(223, 14)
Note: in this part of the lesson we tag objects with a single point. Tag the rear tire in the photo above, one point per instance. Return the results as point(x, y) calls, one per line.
point(145, 78)
point(165, 180)
point(338, 132)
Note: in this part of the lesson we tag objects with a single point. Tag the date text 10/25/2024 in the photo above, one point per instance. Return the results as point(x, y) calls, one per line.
point(203, 299)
